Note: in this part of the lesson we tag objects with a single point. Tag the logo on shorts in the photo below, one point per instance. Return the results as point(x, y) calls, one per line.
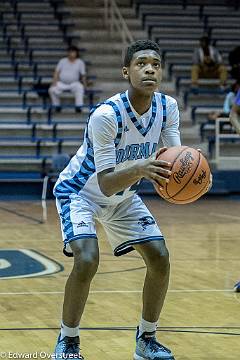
point(146, 221)
point(81, 224)
point(126, 128)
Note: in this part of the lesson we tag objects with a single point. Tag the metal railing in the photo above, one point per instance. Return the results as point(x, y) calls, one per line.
point(227, 136)
point(115, 22)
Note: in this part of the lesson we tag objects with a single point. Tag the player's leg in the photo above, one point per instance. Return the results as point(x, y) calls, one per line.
point(79, 234)
point(77, 89)
point(133, 226)
point(86, 260)
point(156, 258)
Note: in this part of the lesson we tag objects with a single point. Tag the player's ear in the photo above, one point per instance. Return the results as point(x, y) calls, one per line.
point(125, 73)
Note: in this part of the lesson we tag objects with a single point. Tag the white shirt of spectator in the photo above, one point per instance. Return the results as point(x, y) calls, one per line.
point(70, 71)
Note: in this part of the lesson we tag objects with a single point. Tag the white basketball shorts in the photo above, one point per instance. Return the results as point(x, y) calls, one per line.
point(128, 223)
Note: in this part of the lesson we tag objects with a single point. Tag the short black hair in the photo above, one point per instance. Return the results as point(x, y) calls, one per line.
point(205, 38)
point(137, 46)
point(74, 48)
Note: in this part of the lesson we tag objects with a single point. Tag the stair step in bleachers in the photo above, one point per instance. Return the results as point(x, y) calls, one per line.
point(34, 132)
point(15, 165)
point(184, 83)
point(15, 115)
point(39, 149)
point(183, 70)
point(199, 114)
point(185, 57)
point(22, 131)
point(38, 115)
point(206, 98)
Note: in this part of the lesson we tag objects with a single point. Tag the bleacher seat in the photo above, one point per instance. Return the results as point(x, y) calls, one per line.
point(34, 36)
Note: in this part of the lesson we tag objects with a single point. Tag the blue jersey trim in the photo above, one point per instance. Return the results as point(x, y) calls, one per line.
point(164, 107)
point(66, 219)
point(87, 169)
point(119, 121)
point(136, 123)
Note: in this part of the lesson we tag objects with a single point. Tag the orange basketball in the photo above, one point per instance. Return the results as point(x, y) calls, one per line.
point(190, 175)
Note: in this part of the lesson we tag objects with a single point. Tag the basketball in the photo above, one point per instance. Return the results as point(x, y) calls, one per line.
point(190, 175)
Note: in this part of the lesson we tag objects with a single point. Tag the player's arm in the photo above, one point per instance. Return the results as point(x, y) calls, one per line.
point(235, 113)
point(112, 181)
point(170, 135)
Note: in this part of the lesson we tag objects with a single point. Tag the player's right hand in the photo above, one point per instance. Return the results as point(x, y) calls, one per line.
point(157, 171)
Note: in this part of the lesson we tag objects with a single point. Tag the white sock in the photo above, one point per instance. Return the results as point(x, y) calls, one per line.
point(146, 326)
point(67, 331)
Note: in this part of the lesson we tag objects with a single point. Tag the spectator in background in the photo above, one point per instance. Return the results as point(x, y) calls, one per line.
point(234, 62)
point(228, 103)
point(235, 120)
point(69, 75)
point(207, 63)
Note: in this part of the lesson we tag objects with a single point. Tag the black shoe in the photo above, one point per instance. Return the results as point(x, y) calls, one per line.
point(58, 109)
point(78, 109)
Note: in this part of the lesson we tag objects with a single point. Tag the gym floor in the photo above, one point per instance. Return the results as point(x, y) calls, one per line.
point(201, 316)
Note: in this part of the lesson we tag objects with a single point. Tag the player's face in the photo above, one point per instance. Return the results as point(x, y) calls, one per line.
point(145, 71)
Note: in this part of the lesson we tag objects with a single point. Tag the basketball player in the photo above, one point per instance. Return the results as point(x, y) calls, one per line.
point(235, 120)
point(100, 182)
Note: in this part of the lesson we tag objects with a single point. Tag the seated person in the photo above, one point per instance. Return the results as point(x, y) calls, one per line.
point(235, 117)
point(228, 103)
point(70, 74)
point(207, 63)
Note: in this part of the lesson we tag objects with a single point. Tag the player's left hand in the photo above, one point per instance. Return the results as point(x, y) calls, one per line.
point(210, 183)
point(160, 151)
point(210, 178)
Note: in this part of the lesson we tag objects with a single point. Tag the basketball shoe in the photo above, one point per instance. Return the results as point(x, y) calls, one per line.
point(237, 287)
point(147, 348)
point(68, 348)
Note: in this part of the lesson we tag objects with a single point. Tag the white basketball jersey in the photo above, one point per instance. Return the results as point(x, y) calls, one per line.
point(133, 142)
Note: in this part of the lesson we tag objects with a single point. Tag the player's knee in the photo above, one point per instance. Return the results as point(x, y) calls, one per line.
point(86, 258)
point(86, 265)
point(158, 262)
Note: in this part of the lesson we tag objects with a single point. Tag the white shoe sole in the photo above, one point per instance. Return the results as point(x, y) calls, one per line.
point(137, 357)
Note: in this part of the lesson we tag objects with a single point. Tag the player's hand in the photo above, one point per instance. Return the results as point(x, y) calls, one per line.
point(157, 171)
point(210, 178)
point(160, 151)
point(210, 183)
